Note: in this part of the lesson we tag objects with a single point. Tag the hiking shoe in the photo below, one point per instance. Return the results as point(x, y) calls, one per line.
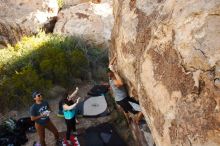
point(36, 143)
point(70, 143)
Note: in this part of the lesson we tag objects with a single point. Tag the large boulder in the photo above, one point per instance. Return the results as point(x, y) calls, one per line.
point(89, 21)
point(168, 53)
point(24, 17)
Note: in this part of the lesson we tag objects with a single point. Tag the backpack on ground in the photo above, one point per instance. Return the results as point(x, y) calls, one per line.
point(25, 124)
point(11, 134)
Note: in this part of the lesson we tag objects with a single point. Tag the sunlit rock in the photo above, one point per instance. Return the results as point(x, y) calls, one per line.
point(69, 3)
point(89, 21)
point(168, 52)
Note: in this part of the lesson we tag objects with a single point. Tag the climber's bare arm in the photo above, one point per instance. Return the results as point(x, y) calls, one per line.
point(118, 81)
point(112, 60)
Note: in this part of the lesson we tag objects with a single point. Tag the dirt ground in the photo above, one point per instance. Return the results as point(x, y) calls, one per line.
point(115, 117)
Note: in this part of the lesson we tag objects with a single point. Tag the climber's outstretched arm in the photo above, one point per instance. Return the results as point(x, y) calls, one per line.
point(74, 93)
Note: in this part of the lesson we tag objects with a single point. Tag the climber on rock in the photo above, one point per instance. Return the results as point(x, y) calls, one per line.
point(120, 94)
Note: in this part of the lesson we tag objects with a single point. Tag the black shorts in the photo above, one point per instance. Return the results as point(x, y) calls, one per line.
point(126, 105)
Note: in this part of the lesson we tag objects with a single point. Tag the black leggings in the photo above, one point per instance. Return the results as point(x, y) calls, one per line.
point(126, 105)
point(71, 126)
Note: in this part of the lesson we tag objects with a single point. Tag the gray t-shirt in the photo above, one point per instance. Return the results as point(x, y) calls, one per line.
point(38, 109)
point(119, 92)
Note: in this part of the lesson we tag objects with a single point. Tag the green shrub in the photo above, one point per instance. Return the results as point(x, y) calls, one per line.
point(16, 89)
point(42, 61)
point(79, 64)
point(60, 3)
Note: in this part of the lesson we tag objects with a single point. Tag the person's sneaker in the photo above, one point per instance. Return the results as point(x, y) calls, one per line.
point(69, 142)
point(59, 142)
point(36, 144)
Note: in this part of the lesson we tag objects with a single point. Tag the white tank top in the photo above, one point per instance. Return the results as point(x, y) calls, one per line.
point(119, 92)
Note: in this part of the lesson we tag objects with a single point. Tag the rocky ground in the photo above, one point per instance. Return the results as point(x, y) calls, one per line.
point(115, 118)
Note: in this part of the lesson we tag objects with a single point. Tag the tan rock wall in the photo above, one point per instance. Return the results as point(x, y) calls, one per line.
point(69, 3)
point(168, 53)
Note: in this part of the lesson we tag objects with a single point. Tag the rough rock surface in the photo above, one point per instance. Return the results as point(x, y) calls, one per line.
point(68, 3)
point(168, 53)
point(24, 17)
point(88, 21)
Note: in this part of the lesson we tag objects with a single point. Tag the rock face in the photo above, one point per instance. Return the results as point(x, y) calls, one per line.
point(24, 17)
point(88, 21)
point(74, 2)
point(168, 53)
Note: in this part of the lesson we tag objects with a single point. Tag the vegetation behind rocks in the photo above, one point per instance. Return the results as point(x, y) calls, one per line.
point(43, 61)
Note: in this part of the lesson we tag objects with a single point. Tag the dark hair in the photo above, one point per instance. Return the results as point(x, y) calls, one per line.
point(65, 95)
point(65, 99)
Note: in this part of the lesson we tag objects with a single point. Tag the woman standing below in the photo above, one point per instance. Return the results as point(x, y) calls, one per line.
point(69, 110)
